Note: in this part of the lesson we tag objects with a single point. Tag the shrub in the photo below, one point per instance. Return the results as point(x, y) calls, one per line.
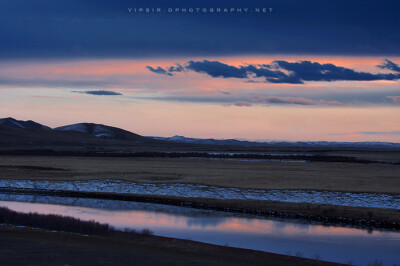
point(64, 223)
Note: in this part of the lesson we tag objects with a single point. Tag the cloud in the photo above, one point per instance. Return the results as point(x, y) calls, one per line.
point(43, 96)
point(280, 71)
point(177, 68)
point(294, 100)
point(395, 99)
point(93, 29)
point(387, 64)
point(217, 69)
point(314, 71)
point(379, 132)
point(168, 71)
point(242, 103)
point(356, 134)
point(272, 74)
point(159, 70)
point(54, 83)
point(282, 100)
point(100, 92)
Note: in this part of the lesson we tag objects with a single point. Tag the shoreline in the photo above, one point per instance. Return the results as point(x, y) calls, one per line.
point(365, 218)
point(50, 248)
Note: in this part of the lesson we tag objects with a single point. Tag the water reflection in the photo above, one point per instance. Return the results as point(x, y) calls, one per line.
point(340, 244)
point(211, 222)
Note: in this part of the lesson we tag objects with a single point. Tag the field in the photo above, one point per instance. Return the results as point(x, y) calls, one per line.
point(323, 176)
point(333, 176)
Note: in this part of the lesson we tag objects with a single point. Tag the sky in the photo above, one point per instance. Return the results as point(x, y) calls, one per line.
point(259, 70)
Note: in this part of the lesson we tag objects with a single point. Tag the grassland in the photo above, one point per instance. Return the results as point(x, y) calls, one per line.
point(331, 176)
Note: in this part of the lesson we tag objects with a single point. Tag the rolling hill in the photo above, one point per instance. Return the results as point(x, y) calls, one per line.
point(103, 131)
point(29, 134)
point(11, 122)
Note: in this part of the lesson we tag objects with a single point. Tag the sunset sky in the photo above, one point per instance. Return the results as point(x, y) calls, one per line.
point(301, 71)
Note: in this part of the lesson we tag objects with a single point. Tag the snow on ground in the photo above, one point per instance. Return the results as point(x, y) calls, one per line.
point(202, 191)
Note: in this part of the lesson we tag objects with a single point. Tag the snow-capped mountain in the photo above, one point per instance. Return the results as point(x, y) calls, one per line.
point(11, 122)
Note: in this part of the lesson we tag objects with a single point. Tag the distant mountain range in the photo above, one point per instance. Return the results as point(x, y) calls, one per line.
point(13, 131)
point(236, 142)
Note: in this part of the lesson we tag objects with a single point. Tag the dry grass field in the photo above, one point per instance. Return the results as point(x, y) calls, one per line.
point(333, 176)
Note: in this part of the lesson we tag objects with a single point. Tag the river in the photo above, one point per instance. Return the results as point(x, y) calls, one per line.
point(293, 237)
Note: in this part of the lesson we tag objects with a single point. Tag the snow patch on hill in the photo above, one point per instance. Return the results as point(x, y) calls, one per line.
point(75, 127)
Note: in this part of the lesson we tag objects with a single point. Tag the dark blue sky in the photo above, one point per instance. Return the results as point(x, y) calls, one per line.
point(104, 29)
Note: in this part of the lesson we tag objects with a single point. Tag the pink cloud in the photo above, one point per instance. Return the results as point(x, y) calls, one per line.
point(294, 100)
point(44, 96)
point(242, 103)
point(395, 99)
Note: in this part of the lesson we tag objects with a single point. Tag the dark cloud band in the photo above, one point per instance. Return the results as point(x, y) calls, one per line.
point(100, 92)
point(46, 29)
point(387, 64)
point(282, 71)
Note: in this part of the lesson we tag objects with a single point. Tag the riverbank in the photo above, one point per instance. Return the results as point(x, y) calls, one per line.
point(19, 246)
point(368, 218)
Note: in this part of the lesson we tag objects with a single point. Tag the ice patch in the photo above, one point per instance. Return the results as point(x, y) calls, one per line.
point(373, 200)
